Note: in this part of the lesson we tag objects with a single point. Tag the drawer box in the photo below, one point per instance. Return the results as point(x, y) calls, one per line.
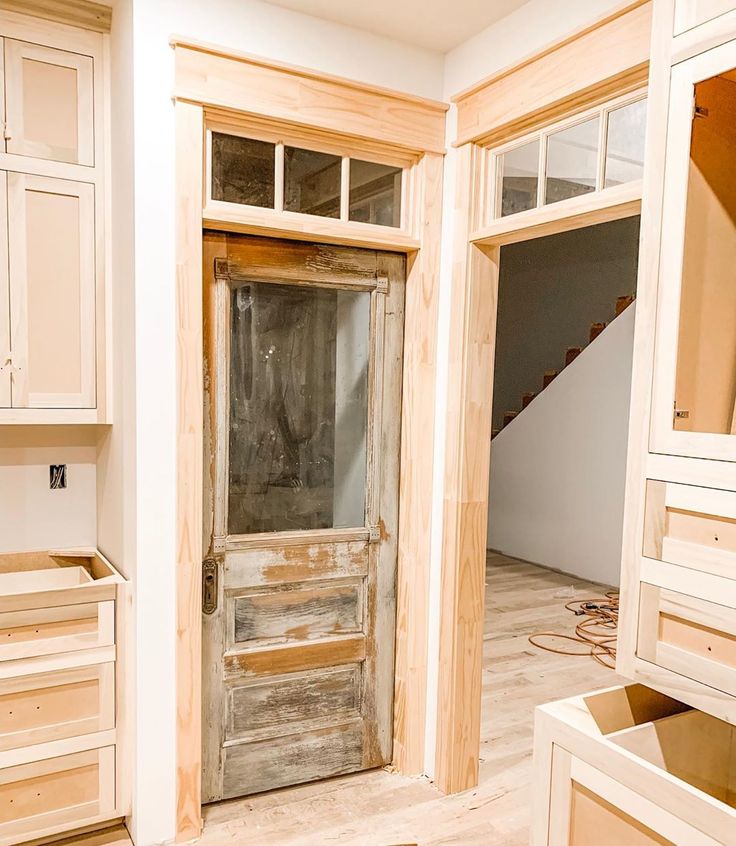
point(52, 706)
point(55, 794)
point(54, 603)
point(632, 766)
point(692, 13)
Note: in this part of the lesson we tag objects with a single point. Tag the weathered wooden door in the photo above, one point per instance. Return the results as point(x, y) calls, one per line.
point(303, 353)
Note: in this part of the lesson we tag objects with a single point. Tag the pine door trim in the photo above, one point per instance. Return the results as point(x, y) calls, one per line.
point(423, 215)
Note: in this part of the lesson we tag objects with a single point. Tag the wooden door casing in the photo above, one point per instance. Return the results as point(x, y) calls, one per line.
point(298, 654)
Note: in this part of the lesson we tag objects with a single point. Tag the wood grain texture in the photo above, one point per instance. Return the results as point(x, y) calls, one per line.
point(189, 439)
point(381, 807)
point(81, 13)
point(472, 341)
point(218, 78)
point(609, 56)
point(416, 479)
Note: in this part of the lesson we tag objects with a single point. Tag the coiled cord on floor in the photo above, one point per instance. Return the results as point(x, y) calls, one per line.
point(596, 633)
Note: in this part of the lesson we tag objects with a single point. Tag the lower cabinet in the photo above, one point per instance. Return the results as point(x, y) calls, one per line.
point(630, 766)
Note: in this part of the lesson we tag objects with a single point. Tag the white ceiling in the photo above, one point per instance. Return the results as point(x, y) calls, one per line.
point(436, 25)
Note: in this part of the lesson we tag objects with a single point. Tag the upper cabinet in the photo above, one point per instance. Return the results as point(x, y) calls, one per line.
point(49, 111)
point(694, 403)
point(53, 227)
point(692, 13)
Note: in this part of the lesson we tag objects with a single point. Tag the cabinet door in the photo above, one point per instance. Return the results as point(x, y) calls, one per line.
point(52, 292)
point(6, 360)
point(694, 400)
point(692, 13)
point(587, 806)
point(48, 103)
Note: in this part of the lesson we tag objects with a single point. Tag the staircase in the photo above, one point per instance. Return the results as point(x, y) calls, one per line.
point(622, 303)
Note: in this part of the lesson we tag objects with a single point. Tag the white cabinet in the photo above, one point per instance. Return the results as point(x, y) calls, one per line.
point(52, 292)
point(53, 320)
point(692, 13)
point(49, 103)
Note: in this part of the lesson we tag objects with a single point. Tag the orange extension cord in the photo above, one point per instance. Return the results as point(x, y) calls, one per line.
point(596, 632)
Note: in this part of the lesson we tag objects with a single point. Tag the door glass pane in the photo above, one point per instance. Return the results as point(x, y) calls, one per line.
point(375, 193)
point(705, 389)
point(243, 170)
point(572, 161)
point(298, 408)
point(312, 182)
point(518, 176)
point(625, 143)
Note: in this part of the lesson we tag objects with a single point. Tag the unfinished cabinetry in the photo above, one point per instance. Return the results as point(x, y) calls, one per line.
point(58, 693)
point(640, 765)
point(53, 334)
point(631, 766)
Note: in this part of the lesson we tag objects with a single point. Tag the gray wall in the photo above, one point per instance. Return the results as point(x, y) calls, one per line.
point(550, 291)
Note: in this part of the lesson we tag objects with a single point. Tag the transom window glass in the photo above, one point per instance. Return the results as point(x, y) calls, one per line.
point(298, 408)
point(586, 154)
point(250, 172)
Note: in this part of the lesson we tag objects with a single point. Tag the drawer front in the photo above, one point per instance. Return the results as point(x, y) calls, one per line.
point(587, 806)
point(62, 792)
point(692, 637)
point(52, 706)
point(691, 526)
point(692, 13)
point(63, 628)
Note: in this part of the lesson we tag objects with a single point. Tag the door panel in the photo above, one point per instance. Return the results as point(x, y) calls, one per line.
point(49, 103)
point(52, 292)
point(302, 409)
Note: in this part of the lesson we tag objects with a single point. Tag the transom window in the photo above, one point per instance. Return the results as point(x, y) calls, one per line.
point(287, 177)
point(600, 149)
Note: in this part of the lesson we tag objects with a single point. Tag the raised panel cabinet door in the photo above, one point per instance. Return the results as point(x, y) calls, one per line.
point(303, 407)
point(694, 388)
point(49, 103)
point(6, 357)
point(692, 13)
point(52, 292)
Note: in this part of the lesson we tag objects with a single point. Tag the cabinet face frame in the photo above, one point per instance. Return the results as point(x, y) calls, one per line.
point(663, 437)
point(16, 142)
point(22, 395)
point(6, 362)
point(692, 13)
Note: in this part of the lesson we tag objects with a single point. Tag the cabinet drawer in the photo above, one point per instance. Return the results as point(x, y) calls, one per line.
point(63, 628)
point(691, 526)
point(692, 13)
point(56, 794)
point(53, 706)
point(631, 766)
point(689, 636)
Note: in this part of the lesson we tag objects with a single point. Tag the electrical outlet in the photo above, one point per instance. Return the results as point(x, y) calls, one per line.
point(57, 477)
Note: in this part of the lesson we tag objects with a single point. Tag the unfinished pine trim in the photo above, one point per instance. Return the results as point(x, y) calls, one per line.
point(189, 438)
point(390, 126)
point(611, 55)
point(467, 466)
point(207, 75)
point(81, 13)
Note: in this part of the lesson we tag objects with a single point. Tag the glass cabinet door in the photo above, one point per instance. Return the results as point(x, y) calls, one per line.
point(694, 400)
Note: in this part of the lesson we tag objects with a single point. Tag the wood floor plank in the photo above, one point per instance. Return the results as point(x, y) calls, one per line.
point(379, 808)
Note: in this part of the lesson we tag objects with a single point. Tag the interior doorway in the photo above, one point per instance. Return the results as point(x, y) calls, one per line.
point(303, 376)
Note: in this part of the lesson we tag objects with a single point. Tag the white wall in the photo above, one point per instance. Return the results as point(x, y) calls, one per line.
point(558, 470)
point(32, 516)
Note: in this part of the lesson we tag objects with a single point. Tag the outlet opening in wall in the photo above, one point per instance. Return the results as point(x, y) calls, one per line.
point(57, 477)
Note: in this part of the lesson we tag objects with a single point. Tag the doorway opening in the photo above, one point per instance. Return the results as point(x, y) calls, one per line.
point(564, 346)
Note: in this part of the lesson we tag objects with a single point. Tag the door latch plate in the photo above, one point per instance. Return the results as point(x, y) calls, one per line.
point(210, 571)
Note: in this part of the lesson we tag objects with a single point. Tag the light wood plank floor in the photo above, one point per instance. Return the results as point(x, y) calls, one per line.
point(383, 809)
